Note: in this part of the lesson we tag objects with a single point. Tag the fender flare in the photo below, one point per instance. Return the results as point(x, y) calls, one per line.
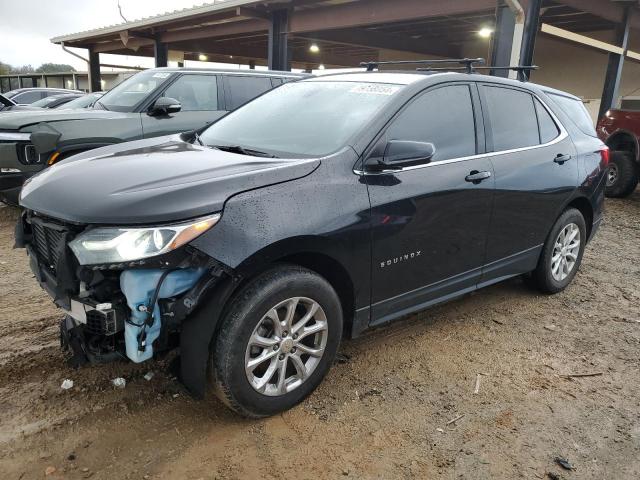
point(621, 132)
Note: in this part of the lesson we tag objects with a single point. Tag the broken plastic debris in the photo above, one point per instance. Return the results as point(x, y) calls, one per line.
point(148, 376)
point(564, 463)
point(119, 382)
point(67, 384)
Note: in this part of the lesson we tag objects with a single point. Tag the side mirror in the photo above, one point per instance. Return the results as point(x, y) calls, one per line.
point(165, 106)
point(405, 153)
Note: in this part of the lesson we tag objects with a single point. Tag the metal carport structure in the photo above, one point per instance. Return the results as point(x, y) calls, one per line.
point(278, 33)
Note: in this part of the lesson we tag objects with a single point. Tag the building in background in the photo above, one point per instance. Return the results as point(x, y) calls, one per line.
point(70, 80)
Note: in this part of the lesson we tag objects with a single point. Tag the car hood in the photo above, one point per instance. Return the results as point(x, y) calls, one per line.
point(151, 181)
point(21, 119)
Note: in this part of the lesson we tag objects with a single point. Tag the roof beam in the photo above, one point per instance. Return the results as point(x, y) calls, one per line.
point(607, 10)
point(363, 38)
point(358, 14)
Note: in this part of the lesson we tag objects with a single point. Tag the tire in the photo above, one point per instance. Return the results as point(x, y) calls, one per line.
point(244, 390)
point(546, 277)
point(622, 175)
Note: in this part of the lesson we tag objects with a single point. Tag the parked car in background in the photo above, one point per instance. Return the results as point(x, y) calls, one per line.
point(27, 96)
point(324, 207)
point(620, 130)
point(85, 101)
point(149, 104)
point(53, 101)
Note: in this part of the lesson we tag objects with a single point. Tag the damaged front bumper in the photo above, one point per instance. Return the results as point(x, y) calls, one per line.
point(112, 312)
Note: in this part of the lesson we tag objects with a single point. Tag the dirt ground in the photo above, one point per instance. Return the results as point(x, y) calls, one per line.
point(387, 410)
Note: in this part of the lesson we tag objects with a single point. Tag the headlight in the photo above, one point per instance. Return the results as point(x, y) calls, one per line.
point(115, 245)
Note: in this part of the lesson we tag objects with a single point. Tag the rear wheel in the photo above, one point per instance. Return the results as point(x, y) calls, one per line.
point(277, 341)
point(562, 253)
point(622, 175)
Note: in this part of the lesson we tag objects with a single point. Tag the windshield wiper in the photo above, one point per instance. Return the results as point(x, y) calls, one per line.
point(243, 151)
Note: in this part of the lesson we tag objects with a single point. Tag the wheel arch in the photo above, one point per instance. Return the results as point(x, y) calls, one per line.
point(314, 253)
point(583, 205)
point(626, 141)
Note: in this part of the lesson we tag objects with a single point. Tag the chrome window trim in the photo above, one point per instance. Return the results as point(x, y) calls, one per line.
point(561, 136)
point(14, 137)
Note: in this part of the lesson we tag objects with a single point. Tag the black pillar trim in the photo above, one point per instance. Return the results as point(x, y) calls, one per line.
point(160, 53)
point(278, 54)
point(529, 34)
point(94, 71)
point(614, 67)
point(502, 39)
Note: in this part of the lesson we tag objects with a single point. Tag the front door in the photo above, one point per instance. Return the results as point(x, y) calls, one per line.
point(430, 221)
point(198, 95)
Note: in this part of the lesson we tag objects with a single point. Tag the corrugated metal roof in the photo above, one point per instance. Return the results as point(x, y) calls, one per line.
point(216, 6)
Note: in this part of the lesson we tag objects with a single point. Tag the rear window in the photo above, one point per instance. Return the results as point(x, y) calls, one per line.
point(575, 110)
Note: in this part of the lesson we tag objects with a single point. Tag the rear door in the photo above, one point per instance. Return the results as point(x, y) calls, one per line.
point(239, 89)
point(536, 171)
point(430, 222)
point(199, 96)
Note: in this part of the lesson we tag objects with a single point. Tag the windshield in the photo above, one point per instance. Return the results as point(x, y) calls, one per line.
point(81, 102)
point(311, 118)
point(124, 97)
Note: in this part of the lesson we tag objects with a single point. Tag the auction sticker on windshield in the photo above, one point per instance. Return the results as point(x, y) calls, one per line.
point(375, 89)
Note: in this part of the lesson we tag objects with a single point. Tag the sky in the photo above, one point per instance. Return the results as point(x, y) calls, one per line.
point(26, 26)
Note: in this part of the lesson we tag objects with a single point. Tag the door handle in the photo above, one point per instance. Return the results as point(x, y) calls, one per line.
point(561, 158)
point(476, 177)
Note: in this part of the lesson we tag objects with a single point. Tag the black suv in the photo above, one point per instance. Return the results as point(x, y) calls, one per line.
point(151, 103)
point(320, 209)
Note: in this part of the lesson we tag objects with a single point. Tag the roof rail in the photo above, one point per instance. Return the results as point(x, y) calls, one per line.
point(523, 70)
point(468, 63)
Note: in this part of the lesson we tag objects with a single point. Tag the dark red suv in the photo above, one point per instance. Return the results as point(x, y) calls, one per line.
point(620, 130)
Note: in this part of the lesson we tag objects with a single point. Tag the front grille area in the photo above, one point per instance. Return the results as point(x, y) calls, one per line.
point(49, 242)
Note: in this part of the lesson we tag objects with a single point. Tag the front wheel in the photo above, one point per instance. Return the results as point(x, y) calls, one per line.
point(562, 253)
point(277, 341)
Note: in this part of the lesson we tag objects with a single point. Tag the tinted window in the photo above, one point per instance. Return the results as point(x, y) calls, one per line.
point(27, 97)
point(195, 92)
point(302, 119)
point(443, 117)
point(513, 119)
point(548, 128)
point(244, 88)
point(575, 110)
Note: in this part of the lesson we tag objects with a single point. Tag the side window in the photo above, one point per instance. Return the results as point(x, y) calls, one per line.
point(27, 97)
point(513, 118)
point(195, 92)
point(444, 117)
point(548, 128)
point(244, 88)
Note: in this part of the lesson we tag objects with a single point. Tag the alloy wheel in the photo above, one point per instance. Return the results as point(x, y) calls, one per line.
point(286, 346)
point(565, 252)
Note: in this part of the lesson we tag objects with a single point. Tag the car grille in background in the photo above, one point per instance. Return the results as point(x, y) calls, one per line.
point(48, 242)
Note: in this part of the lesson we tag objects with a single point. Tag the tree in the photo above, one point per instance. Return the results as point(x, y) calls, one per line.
point(54, 68)
point(5, 68)
point(22, 69)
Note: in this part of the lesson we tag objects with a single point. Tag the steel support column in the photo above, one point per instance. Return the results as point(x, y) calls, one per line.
point(278, 54)
point(531, 24)
point(160, 53)
point(614, 68)
point(503, 39)
point(94, 72)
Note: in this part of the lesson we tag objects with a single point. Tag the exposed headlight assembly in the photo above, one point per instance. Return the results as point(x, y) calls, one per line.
point(116, 245)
